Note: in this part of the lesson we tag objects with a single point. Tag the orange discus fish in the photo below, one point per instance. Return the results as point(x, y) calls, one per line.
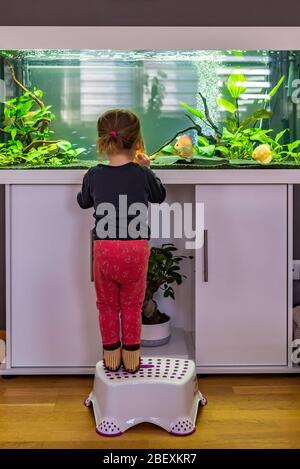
point(184, 146)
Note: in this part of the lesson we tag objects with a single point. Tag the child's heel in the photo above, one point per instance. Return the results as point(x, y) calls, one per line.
point(131, 358)
point(112, 356)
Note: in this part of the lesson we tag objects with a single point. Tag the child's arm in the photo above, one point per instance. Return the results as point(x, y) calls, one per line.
point(84, 198)
point(157, 192)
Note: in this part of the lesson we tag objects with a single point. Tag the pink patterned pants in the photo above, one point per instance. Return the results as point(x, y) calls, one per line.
point(120, 273)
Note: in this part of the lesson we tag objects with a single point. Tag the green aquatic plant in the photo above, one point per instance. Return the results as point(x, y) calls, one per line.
point(236, 86)
point(238, 139)
point(25, 127)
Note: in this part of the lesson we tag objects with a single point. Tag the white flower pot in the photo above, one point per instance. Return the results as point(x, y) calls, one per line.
point(155, 334)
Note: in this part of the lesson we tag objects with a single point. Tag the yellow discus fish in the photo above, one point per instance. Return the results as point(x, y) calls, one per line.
point(263, 154)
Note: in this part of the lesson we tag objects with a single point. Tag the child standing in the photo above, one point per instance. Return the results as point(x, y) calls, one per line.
point(121, 248)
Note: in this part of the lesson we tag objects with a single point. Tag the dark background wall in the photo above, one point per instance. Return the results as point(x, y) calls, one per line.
point(150, 12)
point(144, 13)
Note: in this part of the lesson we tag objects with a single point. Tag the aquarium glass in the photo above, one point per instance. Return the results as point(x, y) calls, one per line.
point(82, 84)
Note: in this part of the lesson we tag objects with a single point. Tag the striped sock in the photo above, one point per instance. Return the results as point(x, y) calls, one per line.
point(112, 359)
point(131, 359)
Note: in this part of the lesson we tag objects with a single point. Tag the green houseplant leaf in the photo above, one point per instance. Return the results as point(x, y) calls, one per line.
point(164, 270)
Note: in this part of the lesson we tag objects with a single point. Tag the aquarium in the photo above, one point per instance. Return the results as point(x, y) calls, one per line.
point(198, 108)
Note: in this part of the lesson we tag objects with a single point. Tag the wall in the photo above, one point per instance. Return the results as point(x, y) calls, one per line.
point(149, 13)
point(2, 259)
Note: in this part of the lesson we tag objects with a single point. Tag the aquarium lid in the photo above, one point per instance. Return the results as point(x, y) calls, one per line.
point(147, 38)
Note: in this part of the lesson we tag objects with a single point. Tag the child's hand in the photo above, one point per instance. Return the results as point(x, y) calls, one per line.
point(142, 159)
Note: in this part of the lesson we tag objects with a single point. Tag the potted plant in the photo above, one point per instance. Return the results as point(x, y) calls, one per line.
point(163, 271)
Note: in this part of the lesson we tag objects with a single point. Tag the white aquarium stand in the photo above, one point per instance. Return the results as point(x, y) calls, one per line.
point(164, 392)
point(239, 319)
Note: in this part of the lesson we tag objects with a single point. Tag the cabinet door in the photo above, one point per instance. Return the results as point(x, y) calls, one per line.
point(53, 312)
point(241, 310)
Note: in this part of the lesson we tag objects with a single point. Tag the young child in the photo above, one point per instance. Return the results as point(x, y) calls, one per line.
point(121, 248)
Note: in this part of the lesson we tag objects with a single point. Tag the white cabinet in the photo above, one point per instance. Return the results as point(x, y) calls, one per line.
point(51, 304)
point(241, 308)
point(53, 314)
point(241, 319)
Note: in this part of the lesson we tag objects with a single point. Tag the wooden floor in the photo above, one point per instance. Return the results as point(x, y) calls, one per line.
point(243, 412)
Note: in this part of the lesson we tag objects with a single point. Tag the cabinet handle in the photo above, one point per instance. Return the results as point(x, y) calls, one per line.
point(92, 255)
point(205, 256)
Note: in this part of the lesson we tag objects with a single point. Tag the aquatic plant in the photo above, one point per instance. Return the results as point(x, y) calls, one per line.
point(25, 125)
point(163, 271)
point(237, 141)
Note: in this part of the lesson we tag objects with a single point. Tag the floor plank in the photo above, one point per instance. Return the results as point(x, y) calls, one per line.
point(244, 411)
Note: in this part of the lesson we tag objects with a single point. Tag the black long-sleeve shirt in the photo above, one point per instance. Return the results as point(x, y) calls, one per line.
point(104, 184)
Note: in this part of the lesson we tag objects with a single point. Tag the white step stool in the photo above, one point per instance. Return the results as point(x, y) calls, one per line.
point(164, 391)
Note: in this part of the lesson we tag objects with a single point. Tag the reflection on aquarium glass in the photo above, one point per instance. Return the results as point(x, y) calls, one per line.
point(198, 108)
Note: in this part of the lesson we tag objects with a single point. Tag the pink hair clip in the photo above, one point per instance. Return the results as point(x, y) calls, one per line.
point(113, 133)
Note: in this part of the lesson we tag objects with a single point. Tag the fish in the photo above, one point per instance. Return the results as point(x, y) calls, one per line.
point(184, 146)
point(263, 154)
